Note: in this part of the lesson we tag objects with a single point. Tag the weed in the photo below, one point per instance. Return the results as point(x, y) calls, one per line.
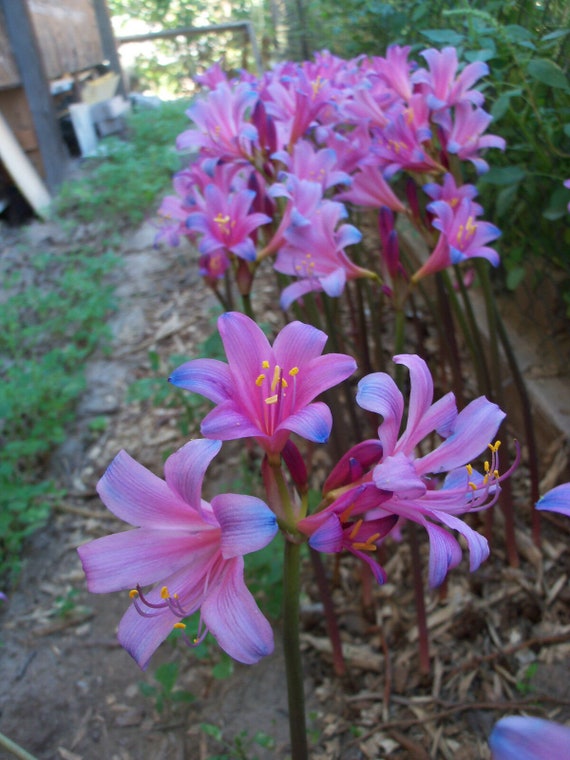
point(164, 692)
point(242, 744)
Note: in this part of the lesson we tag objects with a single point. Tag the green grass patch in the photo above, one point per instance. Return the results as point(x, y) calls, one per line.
point(52, 316)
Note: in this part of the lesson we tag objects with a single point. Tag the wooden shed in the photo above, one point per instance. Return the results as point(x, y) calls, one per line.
point(41, 42)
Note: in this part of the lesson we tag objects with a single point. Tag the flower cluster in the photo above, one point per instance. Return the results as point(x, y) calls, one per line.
point(278, 162)
point(191, 551)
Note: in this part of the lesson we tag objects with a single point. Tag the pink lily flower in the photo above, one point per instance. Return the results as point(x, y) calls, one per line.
point(369, 188)
point(192, 549)
point(333, 531)
point(400, 146)
point(556, 500)
point(320, 166)
point(462, 237)
point(452, 194)
point(266, 392)
point(224, 222)
point(315, 254)
point(395, 70)
point(442, 89)
point(223, 131)
point(519, 737)
point(464, 136)
point(409, 477)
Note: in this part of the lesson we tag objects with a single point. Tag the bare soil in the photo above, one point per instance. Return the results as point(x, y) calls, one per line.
point(499, 639)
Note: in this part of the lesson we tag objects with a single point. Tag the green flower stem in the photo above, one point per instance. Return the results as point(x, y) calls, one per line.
point(15, 749)
point(247, 306)
point(292, 650)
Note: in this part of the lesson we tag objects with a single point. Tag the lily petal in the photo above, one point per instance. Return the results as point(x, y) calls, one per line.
point(247, 524)
point(233, 617)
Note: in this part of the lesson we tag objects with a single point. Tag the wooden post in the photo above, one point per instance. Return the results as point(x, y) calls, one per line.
point(36, 85)
point(108, 41)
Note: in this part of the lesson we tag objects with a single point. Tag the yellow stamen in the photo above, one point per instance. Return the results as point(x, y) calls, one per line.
point(347, 512)
point(181, 626)
point(260, 379)
point(369, 545)
point(133, 593)
point(265, 364)
point(276, 376)
point(469, 469)
point(472, 485)
point(221, 219)
point(494, 447)
point(272, 399)
point(294, 371)
point(487, 466)
point(356, 528)
point(164, 593)
point(496, 473)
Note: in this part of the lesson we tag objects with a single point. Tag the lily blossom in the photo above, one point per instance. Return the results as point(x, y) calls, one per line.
point(464, 136)
point(314, 252)
point(519, 737)
point(225, 222)
point(410, 477)
point(191, 549)
point(556, 500)
point(223, 129)
point(266, 392)
point(369, 188)
point(462, 237)
point(442, 88)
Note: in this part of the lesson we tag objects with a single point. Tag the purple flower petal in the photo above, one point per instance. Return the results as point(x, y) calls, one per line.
point(247, 524)
point(556, 500)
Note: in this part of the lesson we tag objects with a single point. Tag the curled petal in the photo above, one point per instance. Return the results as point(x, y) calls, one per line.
point(185, 469)
point(313, 422)
point(444, 553)
point(478, 545)
point(233, 617)
point(208, 377)
point(556, 500)
point(378, 393)
point(247, 524)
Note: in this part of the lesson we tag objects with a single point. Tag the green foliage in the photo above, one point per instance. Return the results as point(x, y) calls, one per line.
point(164, 692)
point(242, 745)
point(168, 65)
point(46, 332)
point(122, 183)
point(527, 92)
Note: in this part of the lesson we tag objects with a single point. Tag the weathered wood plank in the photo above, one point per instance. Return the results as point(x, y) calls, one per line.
point(33, 75)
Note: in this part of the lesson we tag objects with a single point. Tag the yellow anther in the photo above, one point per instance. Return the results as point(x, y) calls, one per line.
point(260, 379)
point(220, 219)
point(276, 376)
point(472, 485)
point(487, 466)
point(369, 545)
point(164, 593)
point(470, 227)
point(272, 399)
point(485, 479)
point(133, 593)
point(356, 528)
point(496, 473)
point(294, 371)
point(181, 626)
point(494, 447)
point(469, 469)
point(284, 383)
point(347, 512)
point(265, 364)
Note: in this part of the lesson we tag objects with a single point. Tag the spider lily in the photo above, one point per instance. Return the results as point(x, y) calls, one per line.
point(462, 236)
point(192, 549)
point(441, 88)
point(369, 188)
point(314, 252)
point(223, 131)
point(464, 135)
point(409, 477)
point(266, 392)
point(225, 222)
point(518, 737)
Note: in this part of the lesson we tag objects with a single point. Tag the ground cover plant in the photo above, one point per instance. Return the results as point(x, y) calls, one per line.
point(281, 163)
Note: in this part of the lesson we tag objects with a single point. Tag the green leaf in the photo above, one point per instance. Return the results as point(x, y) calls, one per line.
point(555, 35)
point(166, 675)
point(224, 668)
point(479, 55)
point(503, 103)
point(444, 36)
point(506, 175)
point(547, 72)
point(211, 730)
point(566, 129)
point(557, 204)
point(515, 277)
